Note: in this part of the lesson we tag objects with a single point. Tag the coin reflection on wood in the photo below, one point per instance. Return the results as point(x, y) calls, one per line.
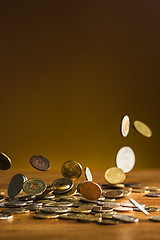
point(71, 169)
point(90, 190)
point(40, 163)
point(5, 162)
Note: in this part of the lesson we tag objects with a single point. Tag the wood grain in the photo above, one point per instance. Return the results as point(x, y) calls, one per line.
point(25, 227)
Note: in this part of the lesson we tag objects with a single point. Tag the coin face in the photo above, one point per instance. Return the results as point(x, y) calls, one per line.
point(125, 159)
point(62, 185)
point(125, 124)
point(88, 174)
point(34, 186)
point(16, 185)
point(125, 218)
point(40, 163)
point(71, 169)
point(90, 190)
point(142, 128)
point(5, 161)
point(115, 175)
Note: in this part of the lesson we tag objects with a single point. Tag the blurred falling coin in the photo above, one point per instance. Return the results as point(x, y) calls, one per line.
point(125, 159)
point(16, 185)
point(71, 169)
point(114, 175)
point(90, 190)
point(125, 124)
point(142, 128)
point(34, 186)
point(5, 162)
point(88, 174)
point(40, 163)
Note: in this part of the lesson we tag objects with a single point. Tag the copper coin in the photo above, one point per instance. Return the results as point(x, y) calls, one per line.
point(113, 194)
point(90, 190)
point(40, 163)
point(71, 169)
point(5, 162)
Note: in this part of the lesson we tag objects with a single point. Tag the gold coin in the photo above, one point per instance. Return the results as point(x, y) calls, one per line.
point(142, 128)
point(114, 175)
point(125, 126)
point(34, 186)
point(90, 190)
point(71, 169)
point(5, 161)
point(41, 215)
point(62, 185)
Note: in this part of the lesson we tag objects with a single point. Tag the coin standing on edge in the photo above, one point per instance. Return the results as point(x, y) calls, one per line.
point(114, 175)
point(16, 185)
point(142, 128)
point(125, 159)
point(125, 124)
point(88, 174)
point(90, 190)
point(71, 169)
point(40, 163)
point(5, 162)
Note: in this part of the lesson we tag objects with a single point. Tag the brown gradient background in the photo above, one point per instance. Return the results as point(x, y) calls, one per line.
point(69, 71)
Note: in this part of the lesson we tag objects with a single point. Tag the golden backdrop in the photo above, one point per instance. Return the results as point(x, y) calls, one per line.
point(69, 71)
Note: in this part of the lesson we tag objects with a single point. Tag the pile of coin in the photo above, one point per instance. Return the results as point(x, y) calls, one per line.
point(125, 157)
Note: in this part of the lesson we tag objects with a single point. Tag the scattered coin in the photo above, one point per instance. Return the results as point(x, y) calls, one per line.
point(125, 124)
point(59, 204)
point(18, 210)
point(16, 185)
point(114, 175)
point(128, 204)
point(125, 218)
point(14, 204)
point(153, 194)
point(90, 190)
point(125, 159)
point(142, 128)
point(62, 185)
point(148, 209)
point(34, 186)
point(113, 193)
point(125, 192)
point(153, 189)
point(140, 190)
point(41, 215)
point(40, 163)
point(5, 216)
point(101, 209)
point(54, 210)
point(113, 186)
point(88, 174)
point(107, 221)
point(5, 162)
point(155, 218)
point(123, 209)
point(137, 205)
point(71, 169)
point(2, 198)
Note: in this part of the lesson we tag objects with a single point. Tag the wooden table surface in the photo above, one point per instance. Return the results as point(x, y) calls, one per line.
point(24, 226)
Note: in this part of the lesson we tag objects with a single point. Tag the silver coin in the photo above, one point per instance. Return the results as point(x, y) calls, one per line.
point(107, 221)
point(54, 210)
point(148, 209)
point(15, 204)
point(131, 205)
point(88, 174)
point(125, 125)
point(125, 218)
point(16, 185)
point(5, 216)
point(153, 194)
point(155, 218)
point(125, 159)
point(20, 210)
point(58, 204)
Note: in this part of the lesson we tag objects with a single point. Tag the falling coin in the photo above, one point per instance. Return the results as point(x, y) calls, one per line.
point(40, 163)
point(114, 175)
point(34, 186)
point(16, 185)
point(71, 169)
point(125, 159)
point(88, 174)
point(142, 128)
point(90, 190)
point(125, 124)
point(5, 162)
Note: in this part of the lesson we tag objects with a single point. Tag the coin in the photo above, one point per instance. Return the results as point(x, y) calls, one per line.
point(2, 198)
point(40, 163)
point(113, 193)
point(87, 218)
point(90, 190)
point(113, 186)
point(5, 162)
point(125, 124)
point(88, 174)
point(123, 209)
point(142, 128)
point(71, 169)
point(15, 204)
point(114, 175)
point(101, 209)
point(125, 218)
point(41, 215)
point(153, 194)
point(125, 192)
point(34, 186)
point(107, 221)
point(59, 204)
point(16, 185)
point(155, 218)
point(148, 209)
point(70, 216)
point(125, 159)
point(54, 210)
point(128, 204)
point(140, 190)
point(80, 210)
point(5, 216)
point(19, 210)
point(62, 185)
